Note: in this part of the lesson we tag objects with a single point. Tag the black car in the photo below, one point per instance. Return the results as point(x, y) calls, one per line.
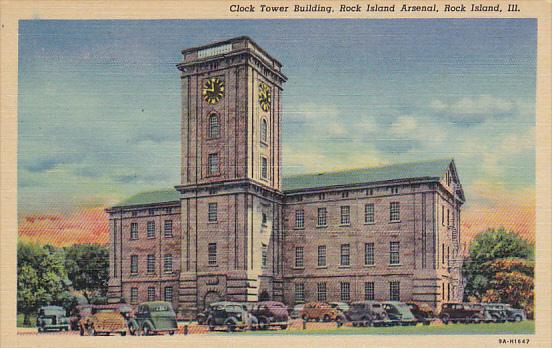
point(271, 314)
point(512, 314)
point(423, 315)
point(399, 313)
point(230, 315)
point(495, 313)
point(52, 318)
point(367, 313)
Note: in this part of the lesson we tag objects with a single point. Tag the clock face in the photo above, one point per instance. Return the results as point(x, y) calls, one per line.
point(265, 97)
point(213, 90)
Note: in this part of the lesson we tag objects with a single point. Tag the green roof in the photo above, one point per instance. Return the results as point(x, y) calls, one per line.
point(433, 169)
point(151, 197)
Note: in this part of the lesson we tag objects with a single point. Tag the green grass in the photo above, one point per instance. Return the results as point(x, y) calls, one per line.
point(20, 318)
point(524, 327)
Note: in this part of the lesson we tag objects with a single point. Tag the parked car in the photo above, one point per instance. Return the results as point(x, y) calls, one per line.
point(270, 313)
point(462, 312)
point(104, 319)
point(423, 314)
point(342, 306)
point(367, 313)
point(231, 315)
point(512, 314)
point(52, 318)
point(399, 313)
point(321, 311)
point(78, 313)
point(296, 311)
point(152, 318)
point(494, 313)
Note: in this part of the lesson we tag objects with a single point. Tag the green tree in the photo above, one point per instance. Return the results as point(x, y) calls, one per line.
point(487, 247)
point(88, 269)
point(41, 278)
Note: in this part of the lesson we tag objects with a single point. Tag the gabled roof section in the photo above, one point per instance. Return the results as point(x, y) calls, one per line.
point(151, 197)
point(456, 180)
point(434, 169)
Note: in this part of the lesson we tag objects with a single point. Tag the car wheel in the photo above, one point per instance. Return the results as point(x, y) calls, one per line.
point(146, 331)
point(283, 327)
point(518, 318)
point(211, 325)
point(92, 331)
point(123, 333)
point(445, 319)
point(426, 323)
point(305, 317)
point(171, 333)
point(132, 330)
point(40, 329)
point(326, 318)
point(230, 327)
point(81, 331)
point(264, 323)
point(476, 320)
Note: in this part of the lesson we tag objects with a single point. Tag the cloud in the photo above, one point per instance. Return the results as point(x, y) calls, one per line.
point(470, 110)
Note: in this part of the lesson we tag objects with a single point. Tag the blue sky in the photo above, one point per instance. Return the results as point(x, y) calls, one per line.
point(99, 103)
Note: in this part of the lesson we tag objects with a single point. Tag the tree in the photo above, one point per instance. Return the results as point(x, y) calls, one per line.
point(41, 278)
point(88, 269)
point(489, 246)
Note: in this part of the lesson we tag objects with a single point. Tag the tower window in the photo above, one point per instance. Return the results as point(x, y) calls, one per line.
point(264, 167)
point(264, 255)
point(213, 164)
point(212, 212)
point(264, 131)
point(214, 127)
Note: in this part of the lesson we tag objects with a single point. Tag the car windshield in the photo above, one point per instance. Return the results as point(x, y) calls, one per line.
point(104, 310)
point(52, 312)
point(160, 308)
point(233, 309)
point(403, 306)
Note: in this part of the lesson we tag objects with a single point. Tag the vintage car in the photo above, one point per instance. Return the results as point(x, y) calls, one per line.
point(295, 312)
point(367, 313)
point(512, 314)
point(105, 319)
point(399, 313)
point(462, 313)
point(52, 318)
point(321, 311)
point(423, 314)
point(494, 313)
point(78, 313)
point(230, 315)
point(152, 318)
point(342, 306)
point(271, 313)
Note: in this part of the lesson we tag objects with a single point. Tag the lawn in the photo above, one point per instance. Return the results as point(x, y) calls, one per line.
point(20, 320)
point(524, 327)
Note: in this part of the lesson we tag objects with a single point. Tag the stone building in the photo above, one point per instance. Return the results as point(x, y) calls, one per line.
point(235, 229)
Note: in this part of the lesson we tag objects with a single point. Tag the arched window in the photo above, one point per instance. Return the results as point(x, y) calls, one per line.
point(214, 129)
point(264, 131)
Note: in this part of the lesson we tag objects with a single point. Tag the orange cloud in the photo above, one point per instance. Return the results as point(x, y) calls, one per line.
point(84, 225)
point(496, 207)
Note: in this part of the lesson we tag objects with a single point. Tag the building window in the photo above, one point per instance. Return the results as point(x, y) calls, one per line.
point(134, 230)
point(395, 290)
point(151, 263)
point(345, 194)
point(134, 264)
point(443, 253)
point(264, 131)
point(369, 213)
point(212, 164)
point(394, 249)
point(151, 211)
point(264, 168)
point(345, 291)
point(151, 293)
point(168, 210)
point(322, 217)
point(448, 291)
point(299, 253)
point(299, 218)
point(448, 217)
point(321, 256)
point(345, 255)
point(369, 192)
point(443, 291)
point(345, 215)
point(264, 219)
point(133, 295)
point(369, 291)
point(212, 212)
point(321, 291)
point(134, 214)
point(151, 229)
point(168, 294)
point(264, 255)
point(369, 254)
point(214, 128)
point(394, 211)
point(443, 215)
point(299, 292)
point(212, 254)
point(168, 263)
point(394, 190)
point(168, 228)
point(322, 196)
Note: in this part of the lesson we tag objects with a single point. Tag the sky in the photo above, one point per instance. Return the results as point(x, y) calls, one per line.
point(99, 109)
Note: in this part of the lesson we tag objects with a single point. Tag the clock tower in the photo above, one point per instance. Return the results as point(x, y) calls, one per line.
point(230, 174)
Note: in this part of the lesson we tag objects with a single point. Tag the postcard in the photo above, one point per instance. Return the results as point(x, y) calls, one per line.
point(231, 173)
